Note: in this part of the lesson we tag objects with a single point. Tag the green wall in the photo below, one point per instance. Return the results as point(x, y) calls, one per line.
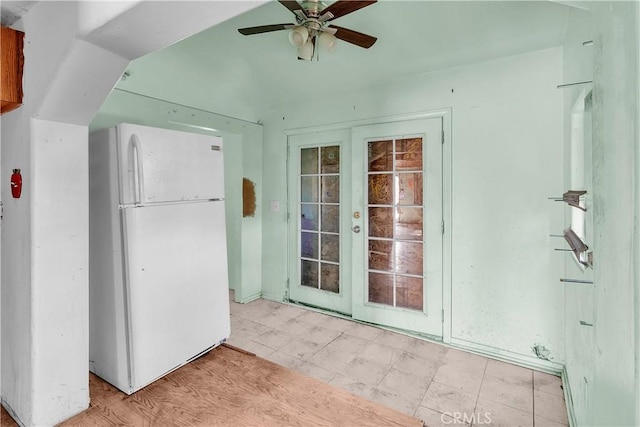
point(616, 233)
point(602, 362)
point(506, 145)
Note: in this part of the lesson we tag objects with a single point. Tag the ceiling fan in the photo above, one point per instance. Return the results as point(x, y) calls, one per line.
point(312, 28)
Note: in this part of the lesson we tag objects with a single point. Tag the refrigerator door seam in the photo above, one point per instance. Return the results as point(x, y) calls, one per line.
point(127, 298)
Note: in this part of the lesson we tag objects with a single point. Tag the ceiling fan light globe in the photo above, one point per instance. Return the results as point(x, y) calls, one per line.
point(306, 51)
point(298, 36)
point(328, 41)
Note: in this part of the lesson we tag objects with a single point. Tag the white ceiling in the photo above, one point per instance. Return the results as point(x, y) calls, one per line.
point(222, 71)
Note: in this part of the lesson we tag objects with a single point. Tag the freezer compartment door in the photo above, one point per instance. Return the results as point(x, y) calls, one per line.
point(177, 287)
point(161, 165)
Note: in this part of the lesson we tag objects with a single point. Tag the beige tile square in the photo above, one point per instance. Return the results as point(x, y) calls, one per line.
point(393, 400)
point(495, 414)
point(509, 372)
point(381, 354)
point(455, 377)
point(506, 393)
point(364, 371)
point(274, 338)
point(272, 319)
point(289, 311)
point(256, 310)
point(257, 349)
point(295, 327)
point(237, 342)
point(410, 387)
point(465, 361)
point(338, 353)
point(550, 407)
point(247, 329)
point(312, 317)
point(363, 331)
point(300, 348)
point(416, 365)
point(548, 383)
point(285, 359)
point(261, 307)
point(432, 418)
point(325, 321)
point(315, 371)
point(352, 386)
point(335, 323)
point(320, 335)
point(449, 400)
point(394, 339)
point(427, 350)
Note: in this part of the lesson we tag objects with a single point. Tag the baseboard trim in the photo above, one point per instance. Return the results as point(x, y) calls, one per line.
point(530, 362)
point(252, 298)
point(568, 400)
point(276, 298)
point(11, 412)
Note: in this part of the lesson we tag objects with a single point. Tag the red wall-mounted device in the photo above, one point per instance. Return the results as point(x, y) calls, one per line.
point(16, 184)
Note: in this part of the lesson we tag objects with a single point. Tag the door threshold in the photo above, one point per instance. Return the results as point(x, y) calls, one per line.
point(345, 316)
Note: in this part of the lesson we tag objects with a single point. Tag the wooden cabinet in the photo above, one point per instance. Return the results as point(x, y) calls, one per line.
point(11, 68)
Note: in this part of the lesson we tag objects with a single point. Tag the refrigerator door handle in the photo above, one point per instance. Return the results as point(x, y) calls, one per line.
point(136, 175)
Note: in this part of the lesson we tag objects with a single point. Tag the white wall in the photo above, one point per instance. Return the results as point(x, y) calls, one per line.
point(44, 240)
point(20, 338)
point(507, 160)
point(60, 274)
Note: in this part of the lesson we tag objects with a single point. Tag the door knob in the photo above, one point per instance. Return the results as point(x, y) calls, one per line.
point(356, 229)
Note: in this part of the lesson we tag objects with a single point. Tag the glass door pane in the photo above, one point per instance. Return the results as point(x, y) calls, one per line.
point(395, 211)
point(319, 216)
point(319, 207)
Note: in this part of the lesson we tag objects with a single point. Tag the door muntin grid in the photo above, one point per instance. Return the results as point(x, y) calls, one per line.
point(319, 213)
point(395, 218)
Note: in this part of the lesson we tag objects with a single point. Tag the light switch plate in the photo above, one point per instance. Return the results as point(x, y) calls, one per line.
point(275, 205)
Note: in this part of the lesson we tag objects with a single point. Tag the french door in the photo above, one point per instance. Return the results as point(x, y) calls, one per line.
point(319, 205)
point(397, 225)
point(366, 223)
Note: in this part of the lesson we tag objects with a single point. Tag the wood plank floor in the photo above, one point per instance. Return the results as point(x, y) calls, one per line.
point(228, 387)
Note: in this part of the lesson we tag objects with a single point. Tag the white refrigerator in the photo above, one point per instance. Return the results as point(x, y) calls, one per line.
point(158, 283)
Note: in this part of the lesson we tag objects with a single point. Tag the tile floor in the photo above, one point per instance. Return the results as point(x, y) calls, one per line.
point(439, 385)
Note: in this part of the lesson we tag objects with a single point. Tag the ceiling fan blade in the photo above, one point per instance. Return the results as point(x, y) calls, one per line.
point(293, 6)
point(353, 37)
point(343, 7)
point(263, 29)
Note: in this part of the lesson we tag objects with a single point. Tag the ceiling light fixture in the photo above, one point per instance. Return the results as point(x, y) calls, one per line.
point(298, 36)
point(307, 50)
point(328, 41)
point(313, 28)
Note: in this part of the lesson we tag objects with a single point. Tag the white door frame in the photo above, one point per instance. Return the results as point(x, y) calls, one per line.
point(447, 186)
point(341, 301)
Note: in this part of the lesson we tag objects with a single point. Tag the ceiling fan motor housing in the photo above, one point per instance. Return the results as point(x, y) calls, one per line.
point(313, 20)
point(313, 7)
